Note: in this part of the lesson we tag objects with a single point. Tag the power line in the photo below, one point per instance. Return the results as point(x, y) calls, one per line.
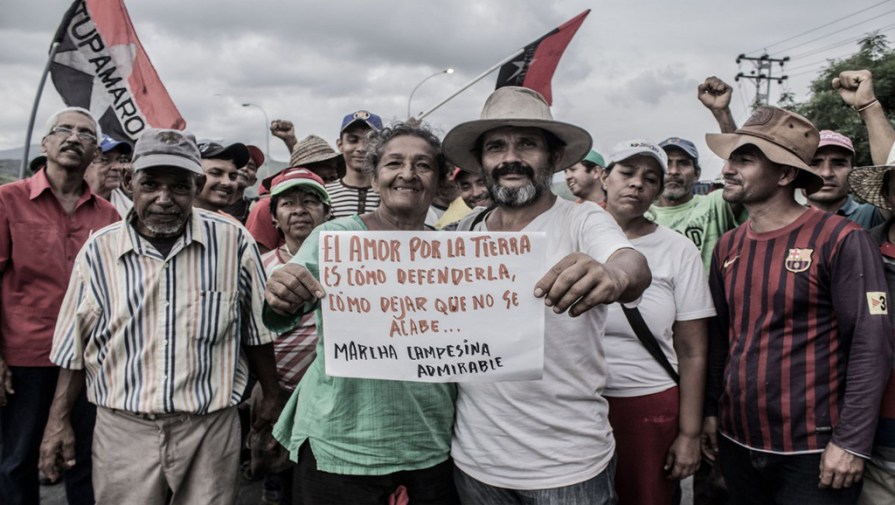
point(834, 45)
point(835, 32)
point(819, 27)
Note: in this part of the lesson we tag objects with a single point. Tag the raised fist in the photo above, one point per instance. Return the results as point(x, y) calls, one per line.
point(715, 94)
point(855, 87)
point(282, 128)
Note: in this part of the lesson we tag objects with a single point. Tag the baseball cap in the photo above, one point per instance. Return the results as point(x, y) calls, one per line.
point(237, 152)
point(255, 155)
point(836, 139)
point(371, 120)
point(299, 177)
point(108, 144)
point(595, 158)
point(169, 148)
point(682, 144)
point(626, 149)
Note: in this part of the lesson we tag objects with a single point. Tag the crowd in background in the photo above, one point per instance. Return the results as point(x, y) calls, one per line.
point(161, 333)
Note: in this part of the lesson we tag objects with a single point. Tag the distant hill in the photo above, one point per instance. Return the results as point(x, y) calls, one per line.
point(11, 160)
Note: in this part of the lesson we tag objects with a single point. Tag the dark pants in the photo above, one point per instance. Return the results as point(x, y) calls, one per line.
point(760, 478)
point(22, 423)
point(434, 485)
point(597, 490)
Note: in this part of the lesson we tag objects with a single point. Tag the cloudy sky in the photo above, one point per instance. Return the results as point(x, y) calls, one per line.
point(630, 72)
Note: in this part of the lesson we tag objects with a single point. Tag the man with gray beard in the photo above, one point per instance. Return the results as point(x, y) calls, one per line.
point(548, 440)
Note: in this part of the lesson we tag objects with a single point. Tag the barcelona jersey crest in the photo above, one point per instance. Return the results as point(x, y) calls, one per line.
point(798, 260)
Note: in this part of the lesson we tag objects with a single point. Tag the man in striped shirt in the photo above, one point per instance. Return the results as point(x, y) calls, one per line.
point(353, 194)
point(802, 345)
point(160, 320)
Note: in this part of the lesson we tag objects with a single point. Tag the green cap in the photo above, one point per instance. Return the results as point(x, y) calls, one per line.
point(596, 158)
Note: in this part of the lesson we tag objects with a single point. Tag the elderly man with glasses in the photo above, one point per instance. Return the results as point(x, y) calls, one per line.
point(44, 221)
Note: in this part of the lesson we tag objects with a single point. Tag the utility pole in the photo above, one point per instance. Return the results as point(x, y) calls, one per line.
point(762, 74)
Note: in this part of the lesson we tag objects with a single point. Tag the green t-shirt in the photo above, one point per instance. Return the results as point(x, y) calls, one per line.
point(703, 220)
point(361, 426)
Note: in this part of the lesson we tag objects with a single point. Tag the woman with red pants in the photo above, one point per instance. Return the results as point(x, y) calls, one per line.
point(655, 421)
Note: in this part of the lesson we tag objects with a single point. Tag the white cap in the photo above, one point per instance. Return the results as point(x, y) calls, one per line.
point(628, 148)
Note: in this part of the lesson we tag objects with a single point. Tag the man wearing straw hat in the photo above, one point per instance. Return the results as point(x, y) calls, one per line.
point(352, 193)
point(312, 153)
point(548, 440)
point(876, 185)
point(802, 338)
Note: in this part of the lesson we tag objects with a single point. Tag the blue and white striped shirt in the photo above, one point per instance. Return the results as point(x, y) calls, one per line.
point(159, 335)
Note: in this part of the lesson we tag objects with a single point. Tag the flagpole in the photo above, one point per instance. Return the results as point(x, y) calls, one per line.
point(477, 79)
point(54, 47)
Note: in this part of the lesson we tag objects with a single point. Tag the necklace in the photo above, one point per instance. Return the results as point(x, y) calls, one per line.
point(286, 248)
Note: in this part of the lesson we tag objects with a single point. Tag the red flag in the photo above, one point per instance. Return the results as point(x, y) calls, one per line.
point(102, 66)
point(534, 66)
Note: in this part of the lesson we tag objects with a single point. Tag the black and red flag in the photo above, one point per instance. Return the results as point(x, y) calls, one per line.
point(100, 65)
point(533, 67)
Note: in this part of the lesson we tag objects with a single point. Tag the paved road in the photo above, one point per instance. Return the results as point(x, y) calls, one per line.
point(250, 493)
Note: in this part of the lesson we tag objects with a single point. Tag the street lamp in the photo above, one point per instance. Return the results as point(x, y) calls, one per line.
point(266, 131)
point(445, 71)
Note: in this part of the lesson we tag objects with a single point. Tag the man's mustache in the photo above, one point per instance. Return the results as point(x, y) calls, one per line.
point(513, 168)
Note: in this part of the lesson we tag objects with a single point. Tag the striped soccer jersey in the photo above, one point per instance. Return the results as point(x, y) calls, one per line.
point(799, 353)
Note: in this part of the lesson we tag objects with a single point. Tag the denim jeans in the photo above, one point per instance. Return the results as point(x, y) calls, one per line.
point(755, 477)
point(22, 423)
point(599, 490)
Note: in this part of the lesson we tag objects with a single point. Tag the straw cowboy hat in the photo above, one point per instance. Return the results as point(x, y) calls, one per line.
point(309, 150)
point(784, 137)
point(513, 106)
point(867, 183)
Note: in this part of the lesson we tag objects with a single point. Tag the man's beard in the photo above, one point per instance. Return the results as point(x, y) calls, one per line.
point(675, 193)
point(521, 196)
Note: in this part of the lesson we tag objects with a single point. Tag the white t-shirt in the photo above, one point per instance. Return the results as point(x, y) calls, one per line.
point(679, 292)
point(551, 432)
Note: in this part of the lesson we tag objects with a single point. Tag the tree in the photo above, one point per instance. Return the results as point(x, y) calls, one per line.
point(828, 112)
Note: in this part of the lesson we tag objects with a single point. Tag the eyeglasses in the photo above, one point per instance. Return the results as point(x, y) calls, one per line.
point(66, 131)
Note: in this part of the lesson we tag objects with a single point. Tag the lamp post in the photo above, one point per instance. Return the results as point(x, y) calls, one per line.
point(266, 131)
point(445, 71)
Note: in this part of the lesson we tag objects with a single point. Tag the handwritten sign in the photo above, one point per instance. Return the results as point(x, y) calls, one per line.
point(433, 306)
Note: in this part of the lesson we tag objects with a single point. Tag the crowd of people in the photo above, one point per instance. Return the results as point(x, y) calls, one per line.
point(162, 337)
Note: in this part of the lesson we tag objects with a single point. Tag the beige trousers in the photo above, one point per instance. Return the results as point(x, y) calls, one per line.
point(138, 459)
point(879, 486)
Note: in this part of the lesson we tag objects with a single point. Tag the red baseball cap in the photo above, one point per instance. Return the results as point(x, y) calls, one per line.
point(836, 139)
point(298, 176)
point(256, 155)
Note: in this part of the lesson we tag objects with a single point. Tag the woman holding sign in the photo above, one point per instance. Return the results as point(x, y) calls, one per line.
point(656, 423)
point(357, 440)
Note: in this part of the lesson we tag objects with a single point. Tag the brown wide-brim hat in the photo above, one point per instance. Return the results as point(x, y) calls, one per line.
point(783, 136)
point(513, 106)
point(309, 150)
point(867, 183)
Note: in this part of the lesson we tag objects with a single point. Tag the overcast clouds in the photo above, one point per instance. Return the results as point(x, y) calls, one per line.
point(631, 71)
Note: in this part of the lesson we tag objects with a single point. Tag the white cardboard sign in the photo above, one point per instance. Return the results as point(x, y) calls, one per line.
point(433, 306)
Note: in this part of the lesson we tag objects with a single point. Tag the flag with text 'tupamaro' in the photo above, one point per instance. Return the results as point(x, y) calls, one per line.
point(101, 66)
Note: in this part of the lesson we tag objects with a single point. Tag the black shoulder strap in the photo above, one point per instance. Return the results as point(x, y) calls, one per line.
point(477, 219)
point(648, 340)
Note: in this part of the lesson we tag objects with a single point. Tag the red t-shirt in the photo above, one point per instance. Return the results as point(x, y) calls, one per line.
point(38, 245)
point(260, 224)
